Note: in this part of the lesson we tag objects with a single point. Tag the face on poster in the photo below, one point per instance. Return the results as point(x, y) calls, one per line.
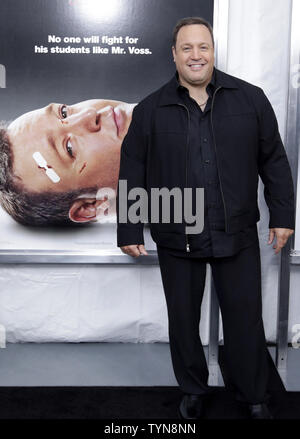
point(71, 74)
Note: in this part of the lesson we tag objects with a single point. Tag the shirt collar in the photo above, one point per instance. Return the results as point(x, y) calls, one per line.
point(169, 92)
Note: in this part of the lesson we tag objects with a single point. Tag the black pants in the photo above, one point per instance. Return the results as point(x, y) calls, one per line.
point(237, 281)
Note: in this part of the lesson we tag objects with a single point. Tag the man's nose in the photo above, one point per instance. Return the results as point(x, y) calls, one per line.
point(196, 53)
point(87, 119)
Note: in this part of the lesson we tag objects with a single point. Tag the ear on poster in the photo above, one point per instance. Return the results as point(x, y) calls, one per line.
point(97, 207)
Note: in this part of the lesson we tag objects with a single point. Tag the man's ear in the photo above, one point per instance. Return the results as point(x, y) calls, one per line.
point(84, 210)
point(173, 52)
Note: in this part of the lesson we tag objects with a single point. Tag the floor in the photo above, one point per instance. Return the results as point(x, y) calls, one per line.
point(104, 364)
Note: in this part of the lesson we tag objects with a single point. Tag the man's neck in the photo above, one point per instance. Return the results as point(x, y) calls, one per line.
point(197, 92)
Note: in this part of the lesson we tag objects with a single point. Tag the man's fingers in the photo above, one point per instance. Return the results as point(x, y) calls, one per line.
point(277, 248)
point(142, 249)
point(271, 236)
point(282, 235)
point(131, 250)
point(280, 243)
point(134, 250)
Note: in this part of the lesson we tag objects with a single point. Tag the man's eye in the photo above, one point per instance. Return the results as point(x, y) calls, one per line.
point(63, 111)
point(69, 148)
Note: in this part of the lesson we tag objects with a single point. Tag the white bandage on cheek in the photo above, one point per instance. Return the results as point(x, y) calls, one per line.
point(39, 159)
point(52, 175)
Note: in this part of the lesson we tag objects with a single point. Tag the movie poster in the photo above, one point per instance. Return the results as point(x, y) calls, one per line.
point(71, 72)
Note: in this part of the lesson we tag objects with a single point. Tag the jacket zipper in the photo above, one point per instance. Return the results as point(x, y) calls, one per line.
point(186, 167)
point(214, 140)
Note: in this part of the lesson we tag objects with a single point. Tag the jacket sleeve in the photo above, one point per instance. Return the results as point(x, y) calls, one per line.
point(133, 170)
point(274, 170)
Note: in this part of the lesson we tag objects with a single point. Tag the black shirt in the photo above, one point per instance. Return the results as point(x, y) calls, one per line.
point(213, 241)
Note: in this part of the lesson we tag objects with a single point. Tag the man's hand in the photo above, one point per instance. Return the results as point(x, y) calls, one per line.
point(282, 235)
point(134, 250)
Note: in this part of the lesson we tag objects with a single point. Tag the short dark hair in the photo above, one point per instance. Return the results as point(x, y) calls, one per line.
point(27, 207)
point(192, 20)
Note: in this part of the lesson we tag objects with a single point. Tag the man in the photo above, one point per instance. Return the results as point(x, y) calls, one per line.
point(207, 129)
point(79, 143)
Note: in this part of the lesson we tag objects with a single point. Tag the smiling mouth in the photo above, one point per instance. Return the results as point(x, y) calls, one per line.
point(196, 66)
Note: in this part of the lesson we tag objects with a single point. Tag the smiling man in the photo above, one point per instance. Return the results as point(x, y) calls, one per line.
point(195, 72)
point(80, 144)
point(207, 129)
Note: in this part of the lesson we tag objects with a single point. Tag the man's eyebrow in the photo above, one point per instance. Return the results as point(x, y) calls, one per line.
point(199, 44)
point(50, 110)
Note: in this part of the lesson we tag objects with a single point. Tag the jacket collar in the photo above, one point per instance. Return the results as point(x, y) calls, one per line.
point(169, 93)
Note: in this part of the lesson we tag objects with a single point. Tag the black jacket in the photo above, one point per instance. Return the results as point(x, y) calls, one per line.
point(247, 143)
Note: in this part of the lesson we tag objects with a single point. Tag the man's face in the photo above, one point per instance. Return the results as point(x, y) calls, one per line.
point(80, 142)
point(194, 55)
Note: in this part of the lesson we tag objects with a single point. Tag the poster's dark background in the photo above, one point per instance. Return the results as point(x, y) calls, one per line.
point(34, 80)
